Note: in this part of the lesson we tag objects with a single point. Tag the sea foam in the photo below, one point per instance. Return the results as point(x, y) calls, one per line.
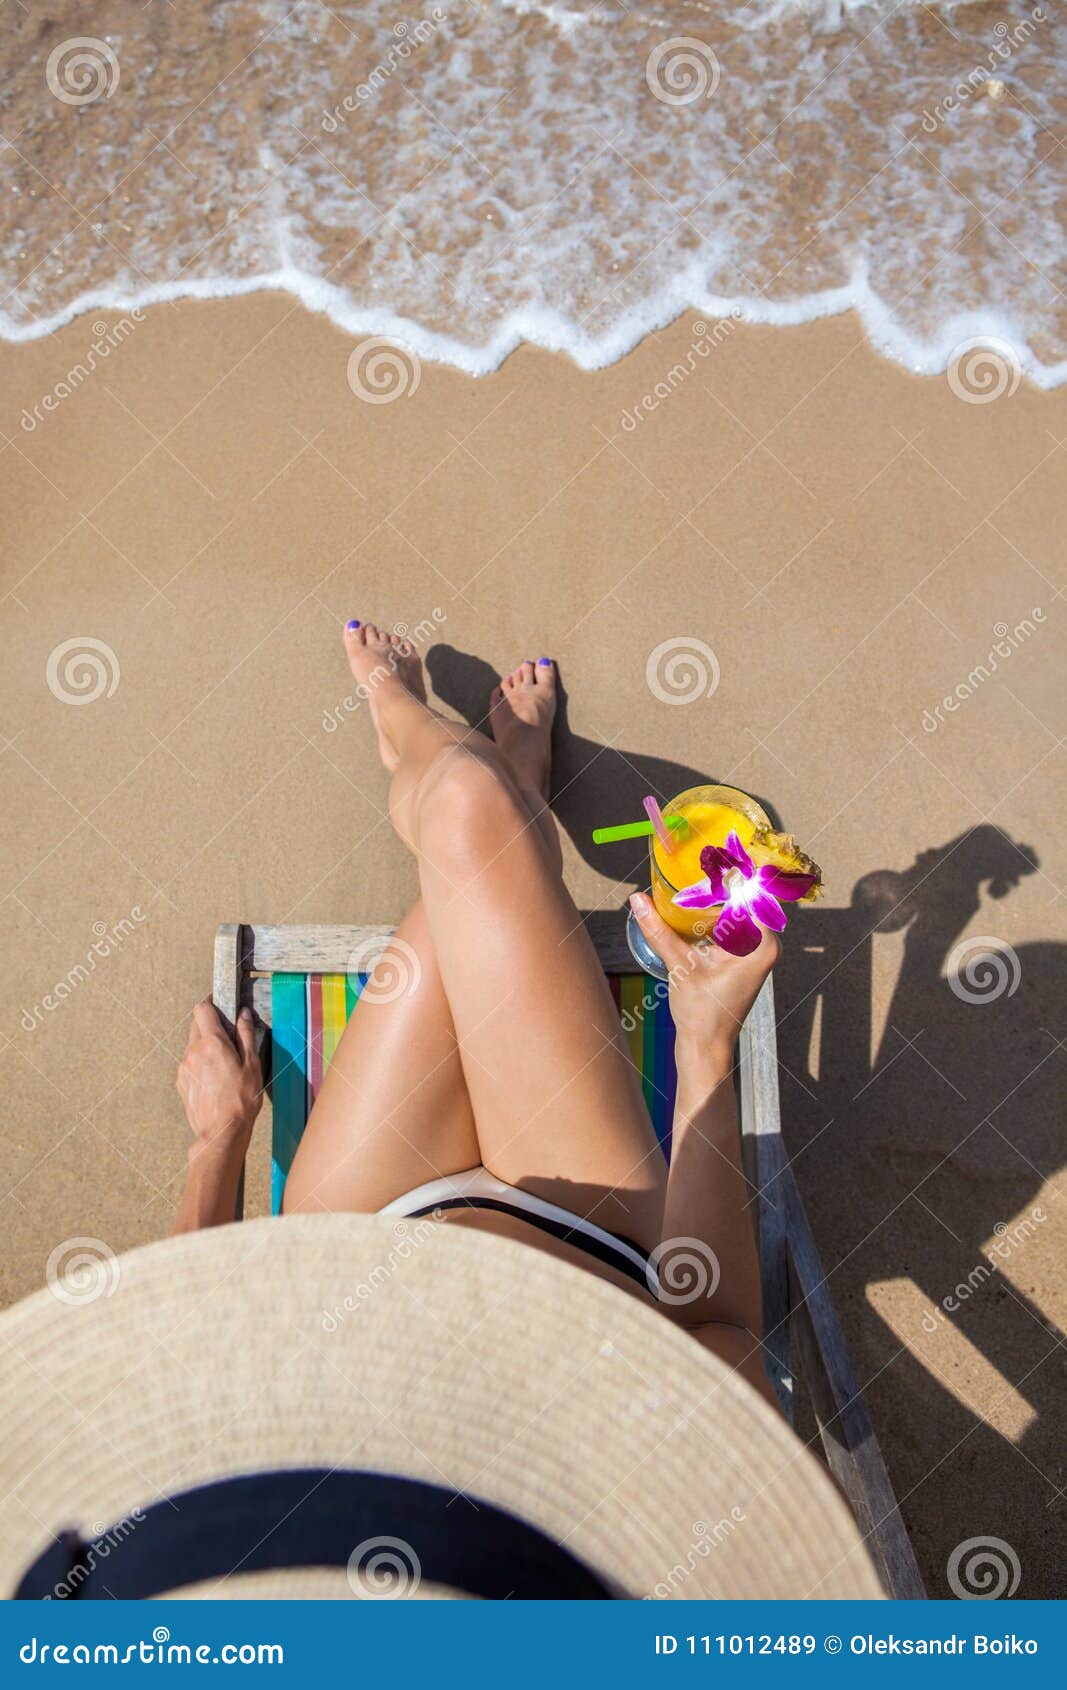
point(478, 174)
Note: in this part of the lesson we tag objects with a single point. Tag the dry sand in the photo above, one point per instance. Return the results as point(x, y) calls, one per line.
point(214, 501)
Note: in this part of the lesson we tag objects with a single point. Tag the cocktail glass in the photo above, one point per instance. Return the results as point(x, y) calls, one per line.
point(711, 812)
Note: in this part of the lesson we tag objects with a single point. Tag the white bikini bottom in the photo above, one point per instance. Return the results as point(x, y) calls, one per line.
point(477, 1188)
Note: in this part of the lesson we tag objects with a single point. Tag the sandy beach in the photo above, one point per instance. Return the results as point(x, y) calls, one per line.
point(852, 545)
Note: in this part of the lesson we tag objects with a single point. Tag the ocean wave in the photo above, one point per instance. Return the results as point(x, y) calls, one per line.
point(481, 175)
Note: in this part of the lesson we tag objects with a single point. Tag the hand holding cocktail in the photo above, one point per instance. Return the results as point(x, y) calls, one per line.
point(711, 992)
point(718, 869)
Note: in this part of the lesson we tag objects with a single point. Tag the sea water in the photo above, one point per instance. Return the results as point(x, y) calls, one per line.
point(465, 175)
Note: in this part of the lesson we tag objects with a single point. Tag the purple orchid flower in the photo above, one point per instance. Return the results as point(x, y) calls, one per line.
point(751, 897)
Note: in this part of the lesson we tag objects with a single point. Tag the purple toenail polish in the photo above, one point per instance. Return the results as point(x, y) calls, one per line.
point(352, 624)
point(545, 662)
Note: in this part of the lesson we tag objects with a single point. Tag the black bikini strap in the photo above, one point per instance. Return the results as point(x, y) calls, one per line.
point(567, 1234)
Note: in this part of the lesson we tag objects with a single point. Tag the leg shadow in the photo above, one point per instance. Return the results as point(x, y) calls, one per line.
point(593, 784)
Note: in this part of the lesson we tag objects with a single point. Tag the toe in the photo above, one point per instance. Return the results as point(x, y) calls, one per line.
point(525, 671)
point(354, 633)
point(507, 682)
point(545, 672)
point(495, 696)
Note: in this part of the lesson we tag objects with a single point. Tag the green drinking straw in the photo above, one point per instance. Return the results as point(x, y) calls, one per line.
point(635, 830)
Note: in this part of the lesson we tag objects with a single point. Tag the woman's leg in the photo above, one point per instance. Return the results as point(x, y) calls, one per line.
point(393, 1110)
point(556, 1102)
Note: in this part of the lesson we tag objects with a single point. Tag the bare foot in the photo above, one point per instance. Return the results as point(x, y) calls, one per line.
point(521, 711)
point(376, 657)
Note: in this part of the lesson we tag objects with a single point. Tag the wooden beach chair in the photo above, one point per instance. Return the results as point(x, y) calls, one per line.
point(296, 980)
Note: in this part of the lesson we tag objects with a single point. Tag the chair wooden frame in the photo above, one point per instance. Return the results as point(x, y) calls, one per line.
point(803, 1340)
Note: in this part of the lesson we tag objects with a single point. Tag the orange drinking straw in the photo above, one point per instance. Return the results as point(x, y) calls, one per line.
point(655, 816)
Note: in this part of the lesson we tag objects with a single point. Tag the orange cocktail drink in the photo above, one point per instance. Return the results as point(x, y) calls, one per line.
point(710, 814)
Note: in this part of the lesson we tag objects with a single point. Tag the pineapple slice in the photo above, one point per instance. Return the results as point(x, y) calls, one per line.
point(769, 846)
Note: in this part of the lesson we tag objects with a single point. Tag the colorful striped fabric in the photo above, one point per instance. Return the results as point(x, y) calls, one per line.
point(309, 1012)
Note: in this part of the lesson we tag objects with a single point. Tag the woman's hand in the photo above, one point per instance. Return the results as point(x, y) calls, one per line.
point(708, 1197)
point(220, 1085)
point(711, 991)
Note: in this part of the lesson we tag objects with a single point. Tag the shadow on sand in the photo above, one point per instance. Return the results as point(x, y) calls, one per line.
point(592, 783)
point(924, 1119)
point(923, 1130)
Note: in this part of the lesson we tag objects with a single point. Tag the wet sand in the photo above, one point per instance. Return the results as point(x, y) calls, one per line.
point(212, 501)
point(487, 175)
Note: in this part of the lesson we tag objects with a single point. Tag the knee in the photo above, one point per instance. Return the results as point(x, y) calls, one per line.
point(467, 806)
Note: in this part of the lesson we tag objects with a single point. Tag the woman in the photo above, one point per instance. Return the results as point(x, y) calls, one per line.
point(497, 1093)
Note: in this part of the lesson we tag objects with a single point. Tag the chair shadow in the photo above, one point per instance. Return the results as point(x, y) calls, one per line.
point(923, 1132)
point(593, 784)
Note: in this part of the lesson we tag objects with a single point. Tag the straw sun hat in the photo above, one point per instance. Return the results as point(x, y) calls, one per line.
point(352, 1405)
